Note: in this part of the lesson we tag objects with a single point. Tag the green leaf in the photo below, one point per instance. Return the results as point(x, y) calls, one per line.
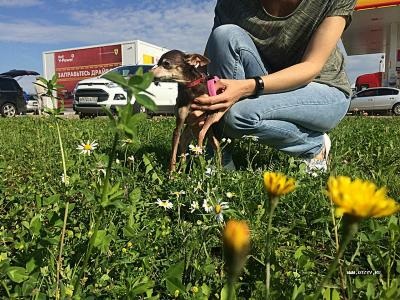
point(297, 291)
point(141, 285)
point(130, 232)
point(135, 80)
point(31, 265)
point(102, 241)
point(135, 195)
point(17, 274)
point(176, 270)
point(225, 294)
point(146, 101)
point(174, 284)
point(51, 200)
point(173, 278)
point(147, 163)
point(117, 78)
point(36, 224)
point(331, 294)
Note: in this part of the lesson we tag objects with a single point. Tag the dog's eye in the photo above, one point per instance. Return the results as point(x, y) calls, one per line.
point(166, 64)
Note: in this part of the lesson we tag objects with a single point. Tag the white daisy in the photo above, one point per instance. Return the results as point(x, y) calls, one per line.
point(166, 204)
point(228, 140)
point(207, 207)
point(196, 150)
point(193, 206)
point(88, 147)
point(219, 210)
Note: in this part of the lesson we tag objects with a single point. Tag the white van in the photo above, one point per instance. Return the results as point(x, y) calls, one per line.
point(90, 95)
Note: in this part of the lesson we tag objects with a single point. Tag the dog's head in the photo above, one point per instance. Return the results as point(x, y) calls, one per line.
point(177, 66)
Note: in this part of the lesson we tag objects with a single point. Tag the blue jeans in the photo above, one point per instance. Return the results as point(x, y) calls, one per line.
point(293, 121)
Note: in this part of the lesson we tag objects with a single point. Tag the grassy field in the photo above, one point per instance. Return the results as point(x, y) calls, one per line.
point(144, 251)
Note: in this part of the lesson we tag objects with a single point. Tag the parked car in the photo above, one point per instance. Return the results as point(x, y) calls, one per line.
point(376, 99)
point(32, 104)
point(12, 101)
point(90, 95)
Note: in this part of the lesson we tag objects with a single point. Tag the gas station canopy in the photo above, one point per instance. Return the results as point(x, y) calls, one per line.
point(370, 27)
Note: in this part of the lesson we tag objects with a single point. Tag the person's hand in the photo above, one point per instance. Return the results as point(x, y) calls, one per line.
point(229, 91)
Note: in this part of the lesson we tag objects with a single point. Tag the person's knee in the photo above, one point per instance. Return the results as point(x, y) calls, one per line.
point(236, 124)
point(225, 35)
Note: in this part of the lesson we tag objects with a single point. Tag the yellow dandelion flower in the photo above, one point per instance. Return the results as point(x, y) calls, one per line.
point(236, 236)
point(277, 184)
point(359, 198)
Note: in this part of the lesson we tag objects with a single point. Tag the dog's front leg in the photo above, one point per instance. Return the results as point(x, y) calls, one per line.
point(215, 144)
point(211, 119)
point(182, 114)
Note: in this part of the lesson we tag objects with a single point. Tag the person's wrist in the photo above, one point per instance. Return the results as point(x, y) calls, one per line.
point(258, 85)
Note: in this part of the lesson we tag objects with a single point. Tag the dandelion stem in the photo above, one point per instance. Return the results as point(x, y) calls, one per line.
point(231, 288)
point(99, 217)
point(271, 208)
point(62, 151)
point(59, 261)
point(335, 228)
point(350, 228)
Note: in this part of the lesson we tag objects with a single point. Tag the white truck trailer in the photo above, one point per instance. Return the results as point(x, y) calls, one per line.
point(75, 64)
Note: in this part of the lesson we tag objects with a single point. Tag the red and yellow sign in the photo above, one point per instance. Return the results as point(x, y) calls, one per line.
point(368, 4)
point(74, 65)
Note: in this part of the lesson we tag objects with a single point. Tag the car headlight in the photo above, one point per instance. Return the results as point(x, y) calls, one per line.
point(111, 85)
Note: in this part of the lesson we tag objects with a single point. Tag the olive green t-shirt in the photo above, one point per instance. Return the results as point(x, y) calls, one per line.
point(282, 41)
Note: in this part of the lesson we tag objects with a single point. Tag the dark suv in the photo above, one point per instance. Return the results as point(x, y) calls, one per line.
point(12, 100)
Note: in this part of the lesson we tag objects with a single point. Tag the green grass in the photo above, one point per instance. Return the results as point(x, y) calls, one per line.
point(146, 252)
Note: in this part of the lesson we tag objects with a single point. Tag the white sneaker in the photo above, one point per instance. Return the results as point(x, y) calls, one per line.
point(314, 165)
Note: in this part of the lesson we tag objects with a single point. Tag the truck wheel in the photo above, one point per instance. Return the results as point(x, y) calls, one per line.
point(137, 108)
point(396, 109)
point(83, 116)
point(8, 110)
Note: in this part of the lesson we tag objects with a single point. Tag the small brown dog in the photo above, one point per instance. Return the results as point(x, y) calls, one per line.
point(188, 70)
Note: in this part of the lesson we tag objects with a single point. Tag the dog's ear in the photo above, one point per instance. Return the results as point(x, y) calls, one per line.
point(196, 60)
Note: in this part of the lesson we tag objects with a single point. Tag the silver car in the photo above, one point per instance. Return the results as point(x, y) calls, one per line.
point(378, 99)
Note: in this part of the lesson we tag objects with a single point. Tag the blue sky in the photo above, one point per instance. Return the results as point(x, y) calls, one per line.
point(30, 27)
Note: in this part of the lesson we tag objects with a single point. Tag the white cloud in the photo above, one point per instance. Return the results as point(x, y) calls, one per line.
point(20, 3)
point(184, 27)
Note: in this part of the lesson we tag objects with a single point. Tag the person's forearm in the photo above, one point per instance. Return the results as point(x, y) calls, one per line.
point(287, 79)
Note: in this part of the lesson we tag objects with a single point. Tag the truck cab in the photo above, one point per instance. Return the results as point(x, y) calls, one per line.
point(92, 94)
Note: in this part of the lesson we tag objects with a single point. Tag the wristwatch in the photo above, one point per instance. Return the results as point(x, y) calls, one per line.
point(259, 85)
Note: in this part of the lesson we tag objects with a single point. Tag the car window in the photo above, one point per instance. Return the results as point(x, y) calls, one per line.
point(386, 92)
point(127, 71)
point(367, 93)
point(7, 85)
